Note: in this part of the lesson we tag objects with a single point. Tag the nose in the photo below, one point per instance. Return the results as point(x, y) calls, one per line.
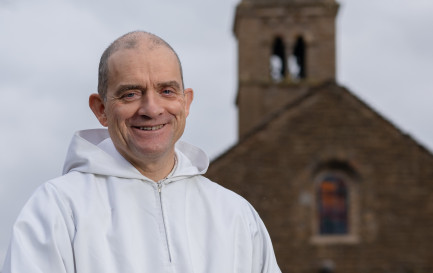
point(150, 105)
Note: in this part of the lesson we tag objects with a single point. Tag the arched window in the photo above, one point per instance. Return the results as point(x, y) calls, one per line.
point(278, 60)
point(297, 61)
point(333, 203)
point(335, 216)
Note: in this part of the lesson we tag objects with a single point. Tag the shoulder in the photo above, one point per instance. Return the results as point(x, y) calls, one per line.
point(223, 197)
point(65, 191)
point(58, 189)
point(52, 189)
point(207, 186)
point(73, 183)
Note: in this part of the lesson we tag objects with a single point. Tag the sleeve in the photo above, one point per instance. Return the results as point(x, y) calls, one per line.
point(42, 236)
point(263, 259)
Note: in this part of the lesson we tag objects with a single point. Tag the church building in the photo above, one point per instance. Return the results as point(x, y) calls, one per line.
point(339, 188)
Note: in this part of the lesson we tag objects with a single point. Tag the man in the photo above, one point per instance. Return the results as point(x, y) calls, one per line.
point(133, 198)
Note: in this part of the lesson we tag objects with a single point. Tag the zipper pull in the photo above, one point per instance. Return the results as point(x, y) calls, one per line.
point(160, 184)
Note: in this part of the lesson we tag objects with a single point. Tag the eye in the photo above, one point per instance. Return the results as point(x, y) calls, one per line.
point(167, 92)
point(130, 96)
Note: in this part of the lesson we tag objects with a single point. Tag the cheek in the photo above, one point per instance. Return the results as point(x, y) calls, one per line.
point(178, 109)
point(119, 113)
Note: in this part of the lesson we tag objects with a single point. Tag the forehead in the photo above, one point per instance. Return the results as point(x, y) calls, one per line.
point(144, 54)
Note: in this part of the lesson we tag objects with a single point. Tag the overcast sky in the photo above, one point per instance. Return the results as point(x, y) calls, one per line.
point(49, 53)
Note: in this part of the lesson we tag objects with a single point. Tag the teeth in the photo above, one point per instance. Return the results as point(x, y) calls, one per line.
point(152, 128)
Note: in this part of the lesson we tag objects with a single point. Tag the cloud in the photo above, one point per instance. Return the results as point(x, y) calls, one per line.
point(385, 58)
point(50, 52)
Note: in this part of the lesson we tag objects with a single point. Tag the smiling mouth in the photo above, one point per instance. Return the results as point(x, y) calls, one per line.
point(149, 128)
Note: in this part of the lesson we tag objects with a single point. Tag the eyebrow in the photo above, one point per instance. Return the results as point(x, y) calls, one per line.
point(174, 84)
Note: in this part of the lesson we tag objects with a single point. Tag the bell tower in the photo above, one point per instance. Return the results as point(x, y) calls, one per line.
point(284, 47)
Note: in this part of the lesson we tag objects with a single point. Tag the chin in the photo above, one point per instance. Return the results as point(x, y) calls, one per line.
point(152, 150)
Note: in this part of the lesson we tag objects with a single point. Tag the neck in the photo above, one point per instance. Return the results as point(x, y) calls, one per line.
point(157, 170)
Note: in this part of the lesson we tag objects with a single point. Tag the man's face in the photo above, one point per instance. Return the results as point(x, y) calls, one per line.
point(146, 106)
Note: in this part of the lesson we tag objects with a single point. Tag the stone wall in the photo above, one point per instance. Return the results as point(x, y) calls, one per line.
point(275, 165)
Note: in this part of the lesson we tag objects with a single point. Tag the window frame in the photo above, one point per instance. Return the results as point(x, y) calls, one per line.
point(352, 236)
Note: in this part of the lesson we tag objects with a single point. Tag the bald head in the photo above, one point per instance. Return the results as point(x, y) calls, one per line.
point(130, 40)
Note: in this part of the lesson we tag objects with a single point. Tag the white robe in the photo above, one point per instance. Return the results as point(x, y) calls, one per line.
point(103, 216)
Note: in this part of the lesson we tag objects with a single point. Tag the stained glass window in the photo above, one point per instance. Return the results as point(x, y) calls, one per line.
point(333, 205)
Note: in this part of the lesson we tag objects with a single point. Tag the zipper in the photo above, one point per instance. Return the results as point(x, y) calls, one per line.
point(163, 219)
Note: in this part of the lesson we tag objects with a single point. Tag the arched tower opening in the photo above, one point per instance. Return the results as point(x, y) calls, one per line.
point(297, 60)
point(278, 64)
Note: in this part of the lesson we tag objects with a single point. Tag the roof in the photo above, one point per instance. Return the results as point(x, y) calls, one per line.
point(311, 93)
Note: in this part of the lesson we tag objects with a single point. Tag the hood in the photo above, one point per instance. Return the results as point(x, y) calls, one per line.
point(92, 151)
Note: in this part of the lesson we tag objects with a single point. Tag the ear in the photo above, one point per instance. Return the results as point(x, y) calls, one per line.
point(189, 96)
point(96, 103)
